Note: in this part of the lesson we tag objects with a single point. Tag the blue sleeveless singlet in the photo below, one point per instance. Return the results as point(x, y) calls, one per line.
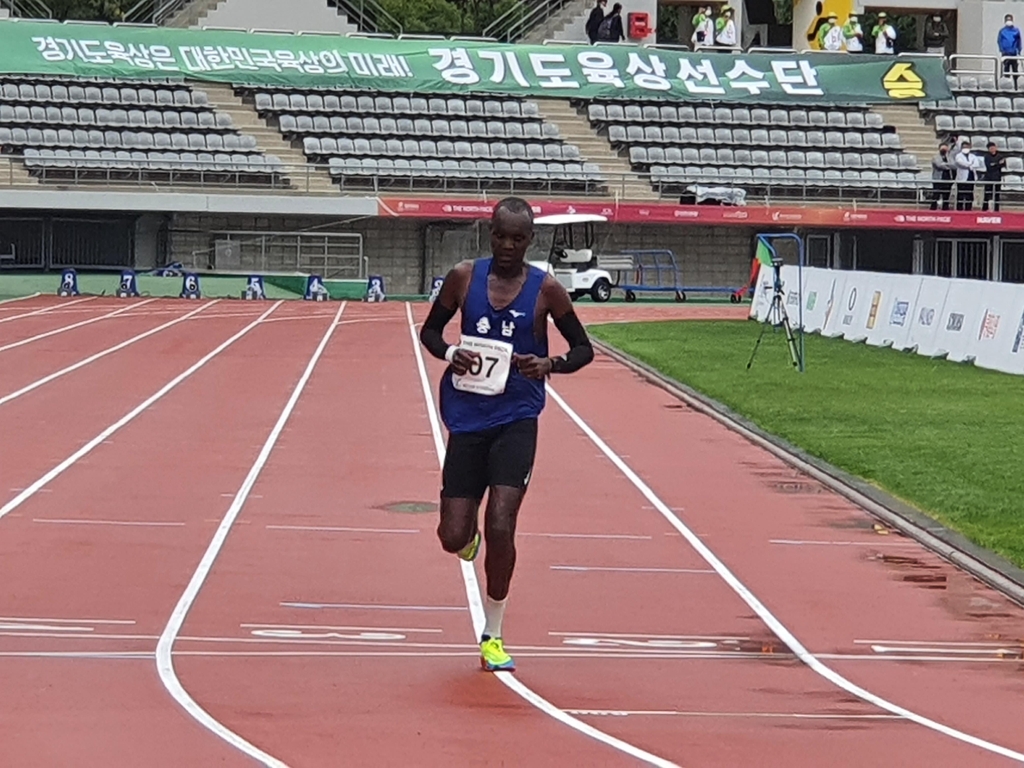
point(523, 398)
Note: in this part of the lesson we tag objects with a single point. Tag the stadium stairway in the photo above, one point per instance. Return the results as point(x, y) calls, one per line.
point(13, 174)
point(192, 14)
point(917, 136)
point(309, 180)
point(575, 129)
point(569, 23)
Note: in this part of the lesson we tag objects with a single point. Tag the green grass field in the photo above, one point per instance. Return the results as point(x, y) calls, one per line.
point(944, 437)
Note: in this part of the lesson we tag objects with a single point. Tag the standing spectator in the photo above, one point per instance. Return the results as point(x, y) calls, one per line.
point(965, 177)
point(936, 33)
point(885, 35)
point(1009, 44)
point(995, 161)
point(610, 30)
point(725, 28)
point(830, 36)
point(594, 22)
point(853, 35)
point(943, 171)
point(703, 27)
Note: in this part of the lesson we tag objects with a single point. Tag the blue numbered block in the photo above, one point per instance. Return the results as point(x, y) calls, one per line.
point(129, 285)
point(68, 283)
point(315, 289)
point(435, 288)
point(254, 288)
point(375, 289)
point(190, 286)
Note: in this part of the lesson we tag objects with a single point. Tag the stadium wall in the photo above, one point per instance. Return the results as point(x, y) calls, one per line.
point(408, 253)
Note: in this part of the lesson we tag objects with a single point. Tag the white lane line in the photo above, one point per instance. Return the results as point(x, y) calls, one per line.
point(476, 608)
point(109, 655)
point(69, 521)
point(66, 621)
point(22, 497)
point(20, 298)
point(586, 536)
point(1007, 649)
point(327, 627)
point(944, 643)
point(101, 354)
point(736, 638)
point(45, 310)
point(770, 715)
point(773, 623)
point(799, 542)
point(375, 607)
point(164, 661)
point(79, 324)
point(629, 570)
point(339, 529)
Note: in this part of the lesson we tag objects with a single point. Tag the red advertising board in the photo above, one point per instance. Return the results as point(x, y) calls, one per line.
point(721, 215)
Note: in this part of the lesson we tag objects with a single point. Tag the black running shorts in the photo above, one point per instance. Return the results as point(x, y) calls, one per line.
point(476, 461)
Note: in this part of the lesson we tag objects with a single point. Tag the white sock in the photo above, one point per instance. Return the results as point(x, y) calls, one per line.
point(494, 612)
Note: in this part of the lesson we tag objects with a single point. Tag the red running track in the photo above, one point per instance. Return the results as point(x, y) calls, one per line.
point(332, 630)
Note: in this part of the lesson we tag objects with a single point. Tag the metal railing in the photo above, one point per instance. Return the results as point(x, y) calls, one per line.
point(168, 176)
point(369, 16)
point(332, 255)
point(516, 22)
point(154, 11)
point(27, 9)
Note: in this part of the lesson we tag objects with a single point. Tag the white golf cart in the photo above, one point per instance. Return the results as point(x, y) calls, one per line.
point(571, 259)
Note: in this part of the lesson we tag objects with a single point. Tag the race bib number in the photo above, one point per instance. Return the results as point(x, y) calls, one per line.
point(489, 373)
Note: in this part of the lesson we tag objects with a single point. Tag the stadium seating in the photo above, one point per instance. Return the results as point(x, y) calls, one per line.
point(108, 130)
point(792, 150)
point(427, 142)
point(983, 109)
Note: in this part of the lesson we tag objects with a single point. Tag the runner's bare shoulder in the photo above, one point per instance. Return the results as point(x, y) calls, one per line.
point(456, 284)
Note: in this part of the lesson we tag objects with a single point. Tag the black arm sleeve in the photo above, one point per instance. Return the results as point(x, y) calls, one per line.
point(580, 351)
point(431, 335)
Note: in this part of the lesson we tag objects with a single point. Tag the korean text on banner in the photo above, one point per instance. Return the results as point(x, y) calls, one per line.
point(460, 67)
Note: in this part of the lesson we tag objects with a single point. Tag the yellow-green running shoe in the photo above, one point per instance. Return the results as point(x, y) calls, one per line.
point(469, 551)
point(493, 656)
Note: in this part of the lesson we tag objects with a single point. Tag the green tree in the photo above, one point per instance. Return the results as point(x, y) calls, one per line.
point(90, 10)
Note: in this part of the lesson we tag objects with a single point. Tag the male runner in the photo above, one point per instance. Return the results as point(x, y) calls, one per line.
point(491, 395)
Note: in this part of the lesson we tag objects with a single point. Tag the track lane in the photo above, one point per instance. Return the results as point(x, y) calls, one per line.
point(171, 465)
point(54, 420)
point(326, 492)
point(23, 365)
point(616, 386)
point(741, 500)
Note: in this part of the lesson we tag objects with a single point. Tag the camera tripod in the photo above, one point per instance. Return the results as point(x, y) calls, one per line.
point(777, 316)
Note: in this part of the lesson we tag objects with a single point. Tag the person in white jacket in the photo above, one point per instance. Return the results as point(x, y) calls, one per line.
point(726, 29)
point(966, 175)
point(885, 35)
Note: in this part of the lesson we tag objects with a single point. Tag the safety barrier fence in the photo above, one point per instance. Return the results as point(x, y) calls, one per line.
point(961, 320)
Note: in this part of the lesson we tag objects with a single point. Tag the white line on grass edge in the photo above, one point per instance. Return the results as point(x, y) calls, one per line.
point(102, 353)
point(72, 326)
point(164, 660)
point(759, 608)
point(20, 499)
point(21, 298)
point(476, 607)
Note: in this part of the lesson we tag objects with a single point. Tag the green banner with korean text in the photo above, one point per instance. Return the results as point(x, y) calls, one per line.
point(461, 67)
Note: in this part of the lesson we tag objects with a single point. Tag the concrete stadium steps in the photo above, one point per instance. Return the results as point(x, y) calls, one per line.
point(13, 174)
point(575, 129)
point(313, 181)
point(569, 23)
point(192, 14)
point(917, 136)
